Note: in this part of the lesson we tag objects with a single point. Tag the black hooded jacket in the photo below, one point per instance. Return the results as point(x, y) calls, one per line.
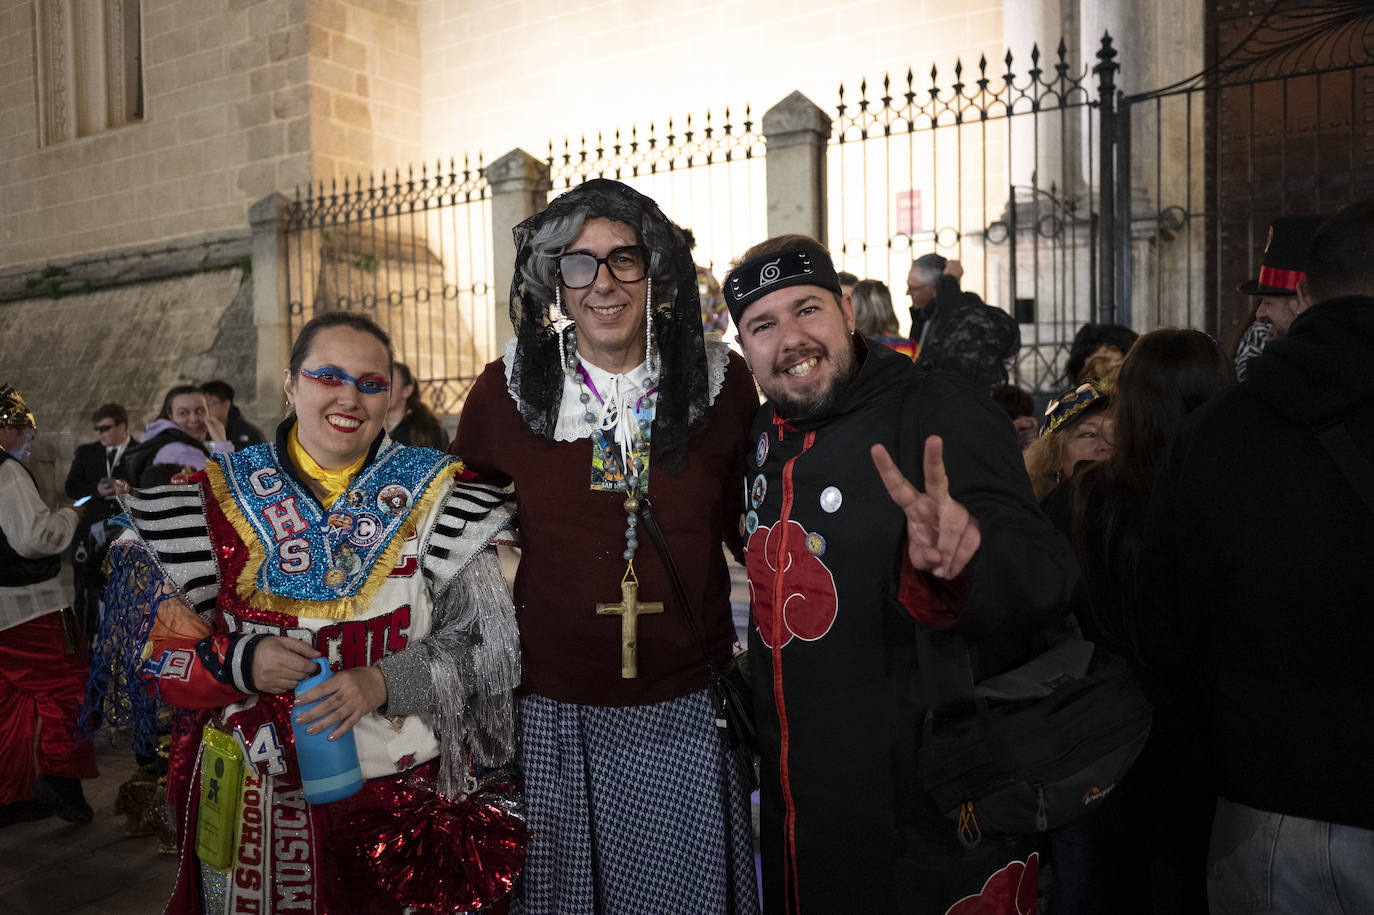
point(1257, 580)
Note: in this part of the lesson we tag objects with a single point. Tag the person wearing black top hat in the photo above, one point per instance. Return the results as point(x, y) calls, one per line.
point(1281, 269)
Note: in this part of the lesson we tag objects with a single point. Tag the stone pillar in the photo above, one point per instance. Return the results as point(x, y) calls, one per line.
point(519, 189)
point(797, 132)
point(268, 219)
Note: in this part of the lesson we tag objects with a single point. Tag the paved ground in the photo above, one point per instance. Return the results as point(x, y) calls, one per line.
point(54, 868)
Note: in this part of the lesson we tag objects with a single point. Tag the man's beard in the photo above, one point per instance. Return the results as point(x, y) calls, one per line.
point(797, 407)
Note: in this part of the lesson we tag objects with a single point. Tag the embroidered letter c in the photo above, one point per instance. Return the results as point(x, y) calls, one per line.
point(264, 482)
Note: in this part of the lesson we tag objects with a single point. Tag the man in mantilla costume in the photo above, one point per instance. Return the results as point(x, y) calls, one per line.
point(609, 402)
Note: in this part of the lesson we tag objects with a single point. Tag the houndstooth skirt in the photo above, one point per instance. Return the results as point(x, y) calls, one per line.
point(634, 810)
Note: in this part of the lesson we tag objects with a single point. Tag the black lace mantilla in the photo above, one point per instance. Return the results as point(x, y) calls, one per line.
point(537, 377)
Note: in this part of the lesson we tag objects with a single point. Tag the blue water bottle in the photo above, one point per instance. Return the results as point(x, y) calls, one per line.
point(329, 768)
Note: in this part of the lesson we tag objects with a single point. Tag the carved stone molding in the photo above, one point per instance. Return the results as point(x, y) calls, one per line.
point(88, 67)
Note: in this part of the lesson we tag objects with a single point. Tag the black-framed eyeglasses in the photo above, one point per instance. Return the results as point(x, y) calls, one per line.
point(103, 429)
point(578, 269)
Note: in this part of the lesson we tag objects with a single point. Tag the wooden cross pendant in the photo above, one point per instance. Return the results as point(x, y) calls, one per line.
point(629, 610)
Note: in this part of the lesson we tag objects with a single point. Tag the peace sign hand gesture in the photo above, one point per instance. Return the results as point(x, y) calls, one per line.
point(941, 535)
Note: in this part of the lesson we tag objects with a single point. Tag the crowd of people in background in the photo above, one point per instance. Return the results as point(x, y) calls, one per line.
point(881, 489)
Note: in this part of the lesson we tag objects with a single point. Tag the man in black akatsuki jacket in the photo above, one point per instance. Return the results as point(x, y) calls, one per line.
point(844, 563)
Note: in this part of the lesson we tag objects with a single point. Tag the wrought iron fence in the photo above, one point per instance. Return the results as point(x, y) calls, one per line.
point(413, 252)
point(1065, 201)
point(992, 169)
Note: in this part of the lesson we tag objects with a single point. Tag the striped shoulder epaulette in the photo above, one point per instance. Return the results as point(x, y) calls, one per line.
point(170, 520)
point(471, 515)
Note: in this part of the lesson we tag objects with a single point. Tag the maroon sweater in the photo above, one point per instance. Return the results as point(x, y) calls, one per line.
point(573, 541)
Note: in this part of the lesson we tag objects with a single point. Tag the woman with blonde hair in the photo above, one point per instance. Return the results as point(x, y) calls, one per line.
point(875, 318)
point(1077, 429)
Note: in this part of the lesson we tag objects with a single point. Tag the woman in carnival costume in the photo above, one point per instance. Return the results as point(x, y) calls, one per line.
point(634, 803)
point(273, 556)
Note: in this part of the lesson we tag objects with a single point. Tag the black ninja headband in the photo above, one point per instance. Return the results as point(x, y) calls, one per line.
point(805, 263)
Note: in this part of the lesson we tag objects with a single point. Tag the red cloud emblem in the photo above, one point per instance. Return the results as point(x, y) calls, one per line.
point(809, 602)
point(1010, 891)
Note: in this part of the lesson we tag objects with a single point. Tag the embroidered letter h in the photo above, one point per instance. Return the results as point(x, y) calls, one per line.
point(285, 519)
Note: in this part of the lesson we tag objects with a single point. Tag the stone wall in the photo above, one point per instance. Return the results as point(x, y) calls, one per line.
point(225, 122)
point(517, 74)
point(127, 344)
point(241, 98)
point(364, 86)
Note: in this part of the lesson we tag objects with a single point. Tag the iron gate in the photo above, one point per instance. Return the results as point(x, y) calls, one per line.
point(995, 170)
point(1278, 125)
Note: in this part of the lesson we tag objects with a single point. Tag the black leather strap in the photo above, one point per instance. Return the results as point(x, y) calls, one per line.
point(1354, 465)
point(649, 521)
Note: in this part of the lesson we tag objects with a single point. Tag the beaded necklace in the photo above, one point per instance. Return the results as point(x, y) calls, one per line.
point(629, 436)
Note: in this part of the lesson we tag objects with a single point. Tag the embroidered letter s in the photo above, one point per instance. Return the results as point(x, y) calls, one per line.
point(295, 555)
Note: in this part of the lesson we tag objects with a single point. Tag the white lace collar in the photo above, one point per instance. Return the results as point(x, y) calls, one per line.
point(572, 424)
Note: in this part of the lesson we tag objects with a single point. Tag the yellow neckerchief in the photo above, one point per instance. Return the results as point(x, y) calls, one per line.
point(333, 482)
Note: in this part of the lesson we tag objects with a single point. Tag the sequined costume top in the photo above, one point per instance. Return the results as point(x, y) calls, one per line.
point(396, 573)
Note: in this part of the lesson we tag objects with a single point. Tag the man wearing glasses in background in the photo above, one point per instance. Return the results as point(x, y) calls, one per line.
point(94, 470)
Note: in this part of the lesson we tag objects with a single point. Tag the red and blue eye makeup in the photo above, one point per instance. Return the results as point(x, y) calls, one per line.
point(331, 376)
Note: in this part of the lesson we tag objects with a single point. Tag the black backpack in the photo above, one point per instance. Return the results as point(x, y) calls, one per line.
point(1031, 749)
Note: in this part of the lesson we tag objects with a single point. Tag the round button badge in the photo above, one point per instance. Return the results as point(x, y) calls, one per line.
point(831, 498)
point(759, 491)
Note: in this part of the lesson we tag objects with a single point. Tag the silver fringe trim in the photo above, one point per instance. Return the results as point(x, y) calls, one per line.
point(474, 663)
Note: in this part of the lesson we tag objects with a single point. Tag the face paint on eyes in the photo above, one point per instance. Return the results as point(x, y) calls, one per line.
point(332, 377)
